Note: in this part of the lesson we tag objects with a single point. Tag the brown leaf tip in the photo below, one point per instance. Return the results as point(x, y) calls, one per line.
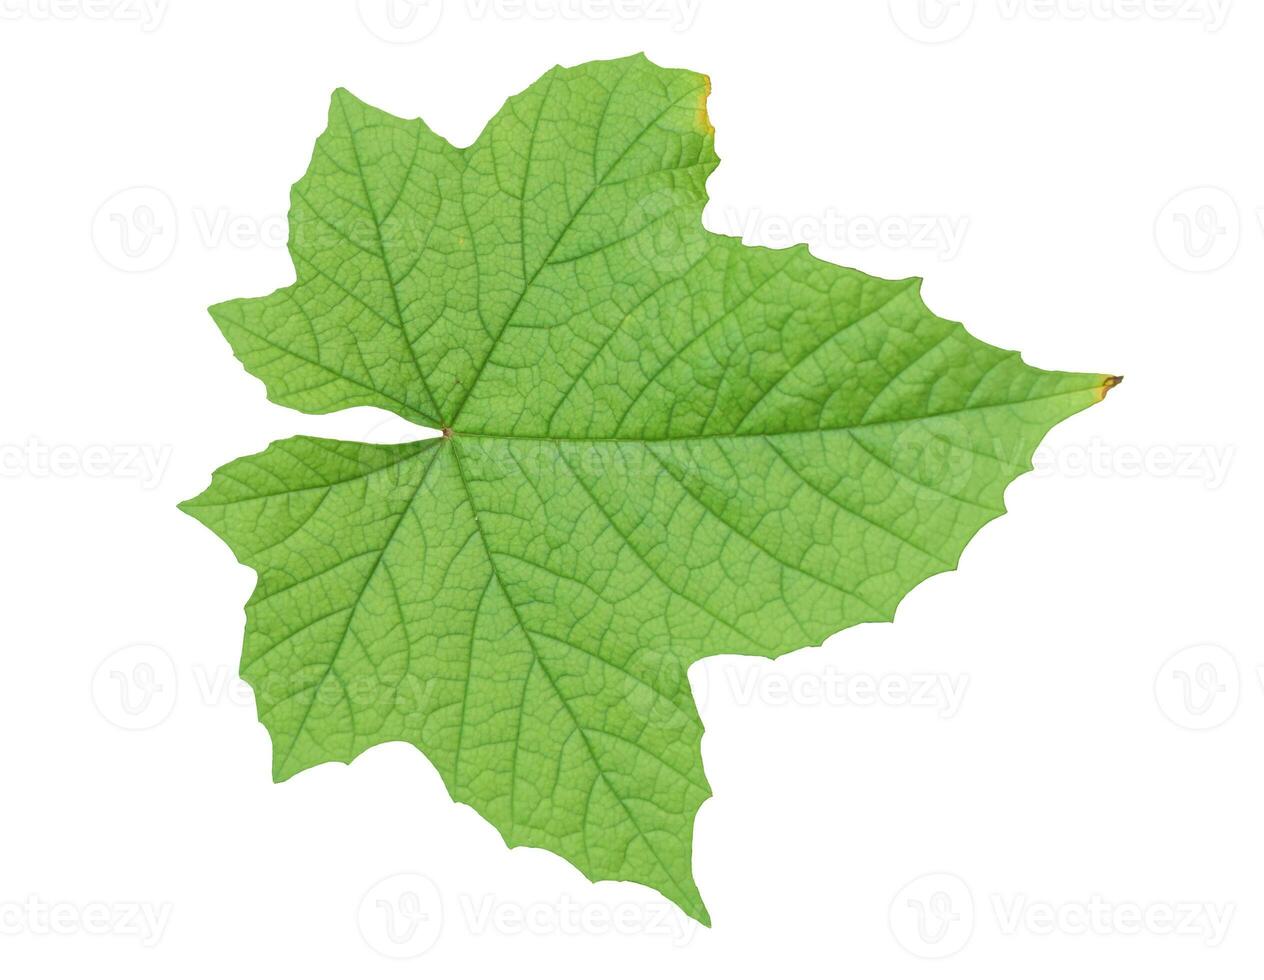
point(1110, 381)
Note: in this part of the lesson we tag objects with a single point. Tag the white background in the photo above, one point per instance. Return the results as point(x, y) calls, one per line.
point(1081, 801)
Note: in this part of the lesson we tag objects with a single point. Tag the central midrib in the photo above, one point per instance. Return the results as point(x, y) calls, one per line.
point(873, 423)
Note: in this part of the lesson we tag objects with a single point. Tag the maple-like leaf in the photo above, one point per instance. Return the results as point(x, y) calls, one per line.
point(659, 444)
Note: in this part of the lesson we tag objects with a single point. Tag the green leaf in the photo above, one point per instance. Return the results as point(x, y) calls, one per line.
point(659, 445)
